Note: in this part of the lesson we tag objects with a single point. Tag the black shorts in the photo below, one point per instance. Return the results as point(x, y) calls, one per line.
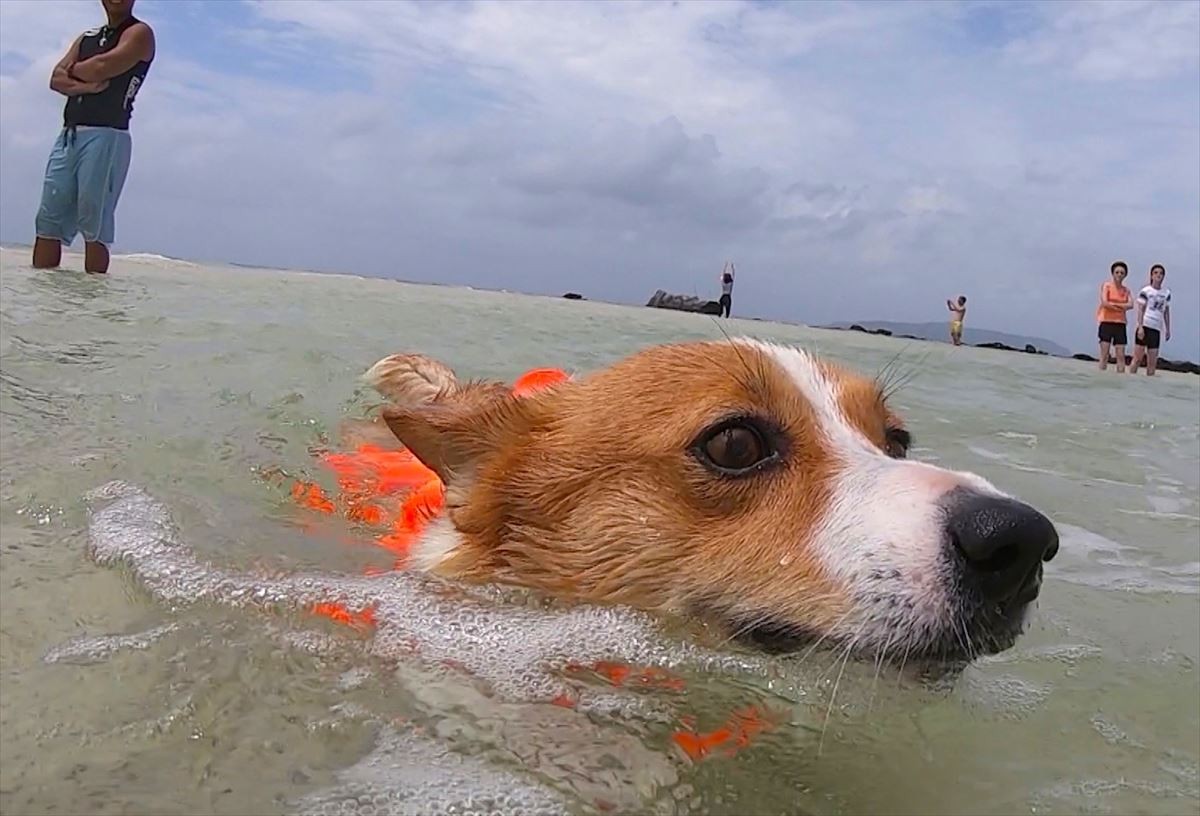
point(1150, 338)
point(1113, 333)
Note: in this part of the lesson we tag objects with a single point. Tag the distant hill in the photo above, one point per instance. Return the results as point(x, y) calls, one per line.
point(940, 332)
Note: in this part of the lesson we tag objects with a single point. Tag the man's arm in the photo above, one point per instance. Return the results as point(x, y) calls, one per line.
point(1167, 319)
point(61, 80)
point(1141, 311)
point(137, 44)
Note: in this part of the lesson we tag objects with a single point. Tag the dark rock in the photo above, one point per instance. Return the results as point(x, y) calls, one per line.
point(574, 296)
point(883, 332)
point(1182, 366)
point(1030, 348)
point(662, 299)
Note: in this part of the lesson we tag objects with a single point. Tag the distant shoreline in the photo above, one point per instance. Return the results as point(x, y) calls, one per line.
point(1164, 364)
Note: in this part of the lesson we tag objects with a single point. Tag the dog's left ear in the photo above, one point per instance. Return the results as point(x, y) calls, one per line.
point(451, 437)
point(411, 379)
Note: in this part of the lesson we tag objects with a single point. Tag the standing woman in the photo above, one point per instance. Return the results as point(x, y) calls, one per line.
point(1115, 302)
point(1153, 321)
point(727, 274)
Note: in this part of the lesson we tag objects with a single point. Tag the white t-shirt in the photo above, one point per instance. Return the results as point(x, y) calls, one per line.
point(1156, 301)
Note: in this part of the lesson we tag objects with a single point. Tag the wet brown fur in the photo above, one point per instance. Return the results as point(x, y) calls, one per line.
point(589, 490)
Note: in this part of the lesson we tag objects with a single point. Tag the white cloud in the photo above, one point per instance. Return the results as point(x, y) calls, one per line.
point(901, 150)
point(1117, 40)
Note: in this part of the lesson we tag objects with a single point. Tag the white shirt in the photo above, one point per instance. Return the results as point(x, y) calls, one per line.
point(1156, 301)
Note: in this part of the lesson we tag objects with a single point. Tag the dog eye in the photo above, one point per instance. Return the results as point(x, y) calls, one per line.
point(734, 448)
point(898, 442)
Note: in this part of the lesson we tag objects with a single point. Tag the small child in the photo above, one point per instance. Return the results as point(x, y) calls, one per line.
point(959, 310)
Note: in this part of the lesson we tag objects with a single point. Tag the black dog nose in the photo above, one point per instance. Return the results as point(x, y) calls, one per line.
point(1004, 543)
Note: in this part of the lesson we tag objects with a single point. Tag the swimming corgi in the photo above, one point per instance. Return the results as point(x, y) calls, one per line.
point(750, 485)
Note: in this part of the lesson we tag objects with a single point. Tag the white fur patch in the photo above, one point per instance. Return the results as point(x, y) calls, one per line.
point(881, 537)
point(437, 543)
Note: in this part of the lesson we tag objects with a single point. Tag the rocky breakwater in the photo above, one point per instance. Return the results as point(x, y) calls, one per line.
point(1164, 364)
point(1182, 366)
point(883, 333)
point(683, 303)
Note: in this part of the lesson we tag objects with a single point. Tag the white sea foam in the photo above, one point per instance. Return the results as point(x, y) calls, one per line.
point(83, 650)
point(511, 654)
point(1090, 559)
point(516, 650)
point(411, 774)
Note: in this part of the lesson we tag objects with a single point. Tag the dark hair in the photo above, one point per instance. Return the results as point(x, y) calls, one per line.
point(962, 299)
point(727, 278)
point(1121, 264)
point(1158, 266)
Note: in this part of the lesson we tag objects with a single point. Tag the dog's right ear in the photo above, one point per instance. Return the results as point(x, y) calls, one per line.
point(451, 437)
point(411, 379)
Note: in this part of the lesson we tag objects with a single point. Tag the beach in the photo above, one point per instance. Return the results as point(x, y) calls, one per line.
point(193, 382)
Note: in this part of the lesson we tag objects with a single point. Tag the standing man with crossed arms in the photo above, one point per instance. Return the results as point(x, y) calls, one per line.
point(100, 75)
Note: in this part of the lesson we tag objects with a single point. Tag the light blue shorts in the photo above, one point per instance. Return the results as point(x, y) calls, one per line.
point(84, 177)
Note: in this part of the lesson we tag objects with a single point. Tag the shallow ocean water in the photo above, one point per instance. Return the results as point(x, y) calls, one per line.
point(185, 384)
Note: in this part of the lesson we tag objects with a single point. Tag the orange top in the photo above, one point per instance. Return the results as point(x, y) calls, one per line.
point(1113, 292)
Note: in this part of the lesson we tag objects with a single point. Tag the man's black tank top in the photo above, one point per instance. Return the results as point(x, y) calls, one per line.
point(113, 106)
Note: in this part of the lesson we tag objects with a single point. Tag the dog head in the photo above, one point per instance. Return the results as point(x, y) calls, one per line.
point(741, 482)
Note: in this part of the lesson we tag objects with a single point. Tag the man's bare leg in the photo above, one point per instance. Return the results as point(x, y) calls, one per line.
point(95, 257)
point(1103, 355)
point(1151, 362)
point(47, 253)
point(1137, 359)
point(1120, 359)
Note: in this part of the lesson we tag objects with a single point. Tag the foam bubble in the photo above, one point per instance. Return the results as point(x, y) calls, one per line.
point(85, 650)
point(1168, 504)
point(1090, 559)
point(353, 678)
point(1029, 439)
point(1010, 462)
point(154, 259)
point(1006, 695)
point(408, 773)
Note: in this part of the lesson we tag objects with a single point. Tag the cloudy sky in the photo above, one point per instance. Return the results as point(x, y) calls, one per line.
point(857, 161)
